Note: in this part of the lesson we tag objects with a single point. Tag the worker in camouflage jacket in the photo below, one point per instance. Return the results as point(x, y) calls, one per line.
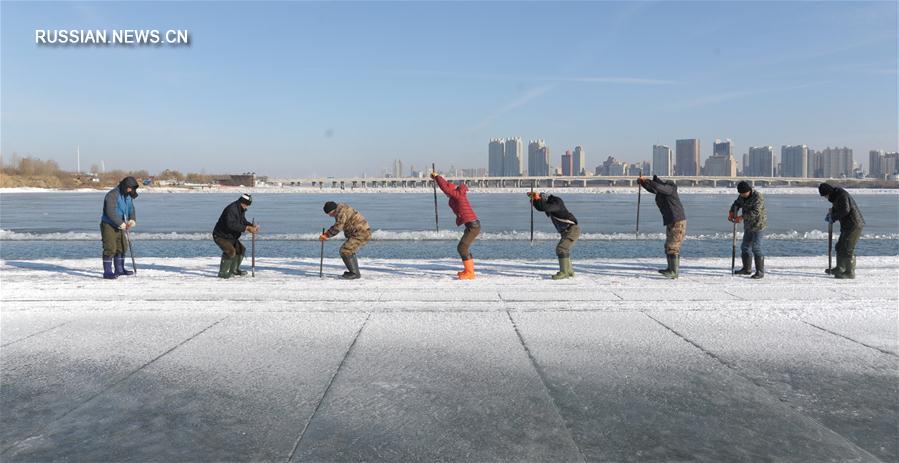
point(755, 220)
point(356, 230)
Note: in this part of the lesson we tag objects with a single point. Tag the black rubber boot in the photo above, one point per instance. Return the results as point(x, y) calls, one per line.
point(235, 266)
point(759, 267)
point(841, 268)
point(849, 274)
point(747, 265)
point(673, 264)
point(225, 267)
point(352, 264)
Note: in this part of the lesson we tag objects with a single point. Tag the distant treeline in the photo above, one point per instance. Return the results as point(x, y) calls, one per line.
point(32, 172)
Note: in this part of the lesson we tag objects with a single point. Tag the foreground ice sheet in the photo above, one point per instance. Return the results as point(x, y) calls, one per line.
point(616, 364)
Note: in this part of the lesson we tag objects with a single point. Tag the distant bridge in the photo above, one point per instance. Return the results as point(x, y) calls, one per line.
point(562, 182)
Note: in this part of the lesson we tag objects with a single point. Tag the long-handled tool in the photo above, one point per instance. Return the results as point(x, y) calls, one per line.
point(321, 259)
point(436, 220)
point(733, 250)
point(131, 250)
point(532, 212)
point(829, 243)
point(639, 191)
point(253, 252)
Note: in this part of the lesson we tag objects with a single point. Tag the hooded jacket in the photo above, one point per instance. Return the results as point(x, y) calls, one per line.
point(118, 206)
point(555, 209)
point(458, 200)
point(845, 210)
point(666, 199)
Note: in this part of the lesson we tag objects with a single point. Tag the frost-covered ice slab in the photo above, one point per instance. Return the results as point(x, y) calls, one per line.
point(48, 375)
point(848, 387)
point(14, 328)
point(431, 386)
point(674, 293)
point(573, 294)
point(876, 328)
point(241, 391)
point(633, 391)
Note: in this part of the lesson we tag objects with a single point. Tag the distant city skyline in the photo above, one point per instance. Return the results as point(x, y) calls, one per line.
point(269, 87)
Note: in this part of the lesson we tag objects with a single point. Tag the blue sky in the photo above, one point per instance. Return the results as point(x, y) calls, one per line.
point(344, 88)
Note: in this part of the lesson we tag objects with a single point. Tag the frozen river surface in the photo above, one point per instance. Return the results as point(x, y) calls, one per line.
point(616, 364)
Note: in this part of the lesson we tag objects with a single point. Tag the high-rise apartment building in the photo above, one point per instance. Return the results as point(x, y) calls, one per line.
point(538, 159)
point(720, 165)
point(761, 162)
point(397, 168)
point(794, 160)
point(723, 148)
point(513, 159)
point(580, 161)
point(567, 163)
point(495, 161)
point(836, 162)
point(687, 154)
point(662, 160)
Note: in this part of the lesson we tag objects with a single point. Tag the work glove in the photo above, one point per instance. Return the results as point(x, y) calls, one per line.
point(254, 229)
point(534, 196)
point(641, 180)
point(730, 216)
point(828, 218)
point(132, 224)
point(434, 175)
point(323, 237)
point(123, 226)
point(738, 219)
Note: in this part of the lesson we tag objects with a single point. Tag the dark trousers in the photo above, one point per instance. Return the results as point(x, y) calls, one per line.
point(114, 241)
point(230, 248)
point(752, 241)
point(472, 230)
point(569, 236)
point(846, 243)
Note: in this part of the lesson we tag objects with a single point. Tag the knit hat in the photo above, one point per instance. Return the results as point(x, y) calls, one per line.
point(330, 206)
point(246, 199)
point(743, 187)
point(825, 189)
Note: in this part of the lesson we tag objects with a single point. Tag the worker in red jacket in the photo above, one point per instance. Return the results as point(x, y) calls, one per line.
point(458, 202)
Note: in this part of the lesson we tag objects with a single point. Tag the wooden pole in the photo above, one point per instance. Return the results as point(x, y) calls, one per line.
point(436, 219)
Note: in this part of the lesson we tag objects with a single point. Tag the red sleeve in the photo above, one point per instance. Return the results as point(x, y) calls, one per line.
point(446, 187)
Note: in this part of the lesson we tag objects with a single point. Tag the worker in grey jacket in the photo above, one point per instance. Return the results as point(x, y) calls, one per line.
point(118, 217)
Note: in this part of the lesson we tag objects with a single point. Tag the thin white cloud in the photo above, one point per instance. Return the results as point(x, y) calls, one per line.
point(522, 100)
point(735, 95)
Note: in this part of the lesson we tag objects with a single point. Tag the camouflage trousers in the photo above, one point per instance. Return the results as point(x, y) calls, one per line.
point(674, 236)
point(354, 243)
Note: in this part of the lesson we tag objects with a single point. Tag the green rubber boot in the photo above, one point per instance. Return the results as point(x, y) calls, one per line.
point(235, 266)
point(564, 269)
point(225, 267)
point(673, 264)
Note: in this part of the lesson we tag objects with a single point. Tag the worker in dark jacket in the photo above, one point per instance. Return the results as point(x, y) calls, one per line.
point(117, 219)
point(755, 220)
point(458, 202)
point(231, 224)
point(672, 216)
point(566, 225)
point(846, 212)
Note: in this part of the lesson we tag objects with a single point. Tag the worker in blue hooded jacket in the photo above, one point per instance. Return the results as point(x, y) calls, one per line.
point(118, 217)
